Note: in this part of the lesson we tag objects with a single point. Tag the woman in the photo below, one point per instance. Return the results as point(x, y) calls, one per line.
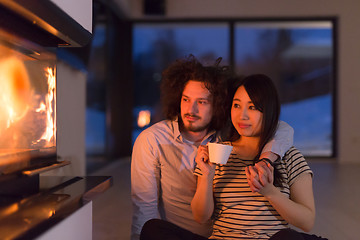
point(250, 198)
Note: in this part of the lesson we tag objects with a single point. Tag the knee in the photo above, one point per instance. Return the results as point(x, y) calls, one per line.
point(287, 233)
point(151, 226)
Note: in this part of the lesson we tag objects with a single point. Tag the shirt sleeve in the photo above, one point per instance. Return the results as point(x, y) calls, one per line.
point(282, 140)
point(145, 181)
point(296, 165)
point(197, 171)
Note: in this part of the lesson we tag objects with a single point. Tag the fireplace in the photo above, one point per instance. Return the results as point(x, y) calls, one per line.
point(28, 86)
point(27, 106)
point(31, 31)
point(31, 204)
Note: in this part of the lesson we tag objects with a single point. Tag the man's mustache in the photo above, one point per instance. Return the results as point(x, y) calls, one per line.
point(191, 115)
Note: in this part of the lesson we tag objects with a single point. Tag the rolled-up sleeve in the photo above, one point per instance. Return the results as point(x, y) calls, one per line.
point(145, 180)
point(282, 140)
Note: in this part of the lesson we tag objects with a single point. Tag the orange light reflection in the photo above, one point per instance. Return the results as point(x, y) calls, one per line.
point(144, 118)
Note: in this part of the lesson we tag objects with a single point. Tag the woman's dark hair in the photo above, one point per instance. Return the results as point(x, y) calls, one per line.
point(264, 96)
point(175, 77)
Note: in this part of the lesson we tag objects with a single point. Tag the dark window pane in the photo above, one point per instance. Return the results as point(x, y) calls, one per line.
point(298, 56)
point(95, 96)
point(157, 45)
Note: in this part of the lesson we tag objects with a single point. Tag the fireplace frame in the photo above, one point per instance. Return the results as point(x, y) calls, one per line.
point(34, 26)
point(42, 22)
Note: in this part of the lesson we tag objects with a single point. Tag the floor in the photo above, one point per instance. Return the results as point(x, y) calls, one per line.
point(336, 189)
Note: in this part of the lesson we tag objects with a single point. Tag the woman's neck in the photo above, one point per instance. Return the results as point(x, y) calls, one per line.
point(247, 147)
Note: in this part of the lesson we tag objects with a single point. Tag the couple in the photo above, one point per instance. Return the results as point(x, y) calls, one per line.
point(238, 199)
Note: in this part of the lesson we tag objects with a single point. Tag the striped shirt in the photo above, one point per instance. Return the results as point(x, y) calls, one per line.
point(241, 214)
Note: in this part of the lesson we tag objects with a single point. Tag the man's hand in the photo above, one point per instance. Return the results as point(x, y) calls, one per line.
point(260, 177)
point(269, 155)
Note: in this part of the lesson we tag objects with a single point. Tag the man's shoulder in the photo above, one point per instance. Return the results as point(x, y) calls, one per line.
point(162, 128)
point(164, 125)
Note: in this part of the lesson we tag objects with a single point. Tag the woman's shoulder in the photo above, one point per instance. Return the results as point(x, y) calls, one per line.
point(293, 157)
point(295, 164)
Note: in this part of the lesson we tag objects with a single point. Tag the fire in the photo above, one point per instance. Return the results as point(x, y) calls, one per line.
point(15, 92)
point(27, 120)
point(49, 107)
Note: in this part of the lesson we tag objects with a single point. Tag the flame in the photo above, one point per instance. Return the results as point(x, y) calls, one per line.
point(51, 213)
point(49, 107)
point(42, 107)
point(144, 118)
point(15, 92)
point(24, 115)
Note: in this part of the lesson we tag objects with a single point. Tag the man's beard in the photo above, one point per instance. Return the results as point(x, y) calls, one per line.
point(191, 127)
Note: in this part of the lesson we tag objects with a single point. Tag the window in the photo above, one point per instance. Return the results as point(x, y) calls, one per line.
point(297, 55)
point(95, 97)
point(155, 45)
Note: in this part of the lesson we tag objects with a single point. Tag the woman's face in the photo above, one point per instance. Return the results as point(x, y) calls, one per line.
point(244, 116)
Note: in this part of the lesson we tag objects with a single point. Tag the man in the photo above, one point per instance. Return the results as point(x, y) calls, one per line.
point(163, 159)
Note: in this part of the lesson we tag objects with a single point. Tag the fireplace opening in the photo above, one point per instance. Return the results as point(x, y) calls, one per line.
point(27, 105)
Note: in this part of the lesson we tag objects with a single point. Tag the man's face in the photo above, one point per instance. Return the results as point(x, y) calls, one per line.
point(196, 106)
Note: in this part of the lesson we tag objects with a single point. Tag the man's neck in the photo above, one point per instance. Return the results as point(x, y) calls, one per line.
point(194, 137)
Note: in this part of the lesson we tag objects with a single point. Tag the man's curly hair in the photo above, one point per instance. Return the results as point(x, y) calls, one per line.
point(180, 72)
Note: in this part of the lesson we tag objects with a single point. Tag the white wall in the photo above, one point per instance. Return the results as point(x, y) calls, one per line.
point(79, 10)
point(71, 107)
point(130, 8)
point(347, 11)
point(77, 226)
